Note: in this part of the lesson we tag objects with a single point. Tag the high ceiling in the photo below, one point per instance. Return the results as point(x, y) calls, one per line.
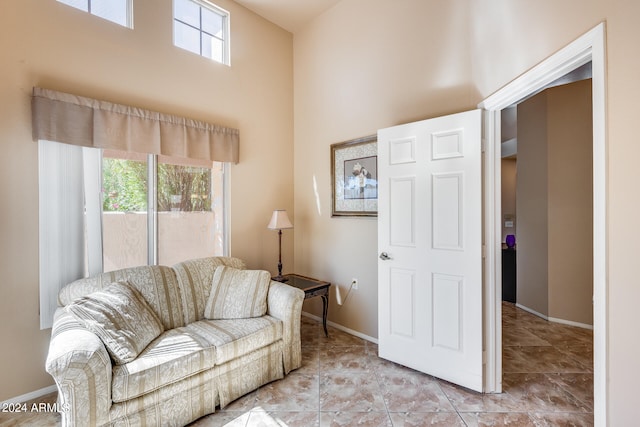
point(288, 14)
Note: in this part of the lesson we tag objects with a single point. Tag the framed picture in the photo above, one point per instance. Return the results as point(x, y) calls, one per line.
point(354, 177)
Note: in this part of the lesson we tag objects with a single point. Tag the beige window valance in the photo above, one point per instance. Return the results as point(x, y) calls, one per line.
point(71, 119)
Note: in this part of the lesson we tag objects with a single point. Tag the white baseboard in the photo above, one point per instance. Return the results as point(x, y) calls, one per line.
point(30, 396)
point(342, 328)
point(535, 313)
point(571, 323)
point(555, 319)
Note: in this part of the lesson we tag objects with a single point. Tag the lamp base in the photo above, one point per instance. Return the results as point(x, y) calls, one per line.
point(280, 278)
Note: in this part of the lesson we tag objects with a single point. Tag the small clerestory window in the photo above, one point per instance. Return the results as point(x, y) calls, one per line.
point(202, 28)
point(118, 11)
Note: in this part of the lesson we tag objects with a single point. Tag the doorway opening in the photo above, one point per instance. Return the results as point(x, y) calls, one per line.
point(547, 277)
point(588, 48)
point(547, 201)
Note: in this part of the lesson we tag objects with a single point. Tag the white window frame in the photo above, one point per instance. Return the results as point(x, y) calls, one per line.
point(226, 42)
point(129, 12)
point(152, 208)
point(70, 243)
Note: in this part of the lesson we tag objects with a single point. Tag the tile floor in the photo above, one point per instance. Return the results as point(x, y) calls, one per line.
point(547, 380)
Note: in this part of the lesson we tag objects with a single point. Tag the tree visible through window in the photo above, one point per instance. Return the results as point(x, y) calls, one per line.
point(180, 188)
point(189, 209)
point(124, 184)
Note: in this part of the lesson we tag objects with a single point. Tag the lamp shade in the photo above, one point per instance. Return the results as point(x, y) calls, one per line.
point(279, 220)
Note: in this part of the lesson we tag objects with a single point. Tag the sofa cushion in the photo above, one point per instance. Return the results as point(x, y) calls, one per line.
point(175, 355)
point(237, 294)
point(194, 278)
point(120, 317)
point(157, 284)
point(180, 353)
point(237, 337)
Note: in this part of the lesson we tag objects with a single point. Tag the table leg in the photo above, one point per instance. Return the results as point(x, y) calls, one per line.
point(325, 308)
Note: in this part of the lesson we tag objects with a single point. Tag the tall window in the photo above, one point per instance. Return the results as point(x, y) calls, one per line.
point(106, 210)
point(202, 28)
point(188, 196)
point(157, 209)
point(118, 11)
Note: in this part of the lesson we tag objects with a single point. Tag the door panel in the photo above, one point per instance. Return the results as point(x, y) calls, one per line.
point(429, 224)
point(401, 221)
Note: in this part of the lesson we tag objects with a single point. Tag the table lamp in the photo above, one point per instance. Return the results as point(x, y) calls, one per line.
point(279, 221)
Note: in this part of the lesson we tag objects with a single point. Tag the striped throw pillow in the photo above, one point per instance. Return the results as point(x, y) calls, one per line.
point(121, 317)
point(237, 294)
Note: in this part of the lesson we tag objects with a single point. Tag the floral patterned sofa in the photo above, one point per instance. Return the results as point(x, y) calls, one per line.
point(157, 345)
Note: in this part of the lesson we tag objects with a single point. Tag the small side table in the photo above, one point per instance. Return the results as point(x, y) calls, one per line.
point(312, 288)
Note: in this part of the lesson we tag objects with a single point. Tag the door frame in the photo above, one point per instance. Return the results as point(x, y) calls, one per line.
point(589, 47)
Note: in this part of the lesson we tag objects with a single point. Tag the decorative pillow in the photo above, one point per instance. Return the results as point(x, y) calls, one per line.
point(237, 294)
point(121, 317)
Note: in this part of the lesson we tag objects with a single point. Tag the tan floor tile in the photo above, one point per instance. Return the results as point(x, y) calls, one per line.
point(521, 336)
point(562, 420)
point(310, 361)
point(464, 400)
point(345, 359)
point(295, 392)
point(530, 359)
point(536, 392)
point(350, 392)
point(338, 338)
point(424, 419)
point(415, 398)
point(280, 419)
point(223, 419)
point(348, 419)
point(489, 419)
point(579, 385)
point(547, 381)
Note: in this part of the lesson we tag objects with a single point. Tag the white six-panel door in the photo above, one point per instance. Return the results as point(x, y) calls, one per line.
point(430, 245)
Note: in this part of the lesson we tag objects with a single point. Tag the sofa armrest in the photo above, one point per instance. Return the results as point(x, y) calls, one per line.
point(285, 303)
point(81, 367)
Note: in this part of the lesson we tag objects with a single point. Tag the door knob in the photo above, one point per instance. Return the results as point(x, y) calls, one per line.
point(384, 256)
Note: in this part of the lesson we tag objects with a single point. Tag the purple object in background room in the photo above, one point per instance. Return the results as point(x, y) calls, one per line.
point(511, 241)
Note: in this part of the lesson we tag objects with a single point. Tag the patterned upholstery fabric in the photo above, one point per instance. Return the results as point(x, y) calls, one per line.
point(189, 369)
point(120, 317)
point(175, 404)
point(183, 352)
point(237, 337)
point(81, 367)
point(175, 355)
point(244, 374)
point(285, 303)
point(182, 402)
point(157, 284)
point(194, 278)
point(237, 294)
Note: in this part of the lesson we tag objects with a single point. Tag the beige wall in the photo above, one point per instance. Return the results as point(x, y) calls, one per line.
point(361, 66)
point(532, 204)
point(511, 37)
point(570, 155)
point(364, 65)
point(554, 201)
point(48, 44)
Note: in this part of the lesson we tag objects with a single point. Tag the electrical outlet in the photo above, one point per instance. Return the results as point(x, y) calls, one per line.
point(354, 283)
